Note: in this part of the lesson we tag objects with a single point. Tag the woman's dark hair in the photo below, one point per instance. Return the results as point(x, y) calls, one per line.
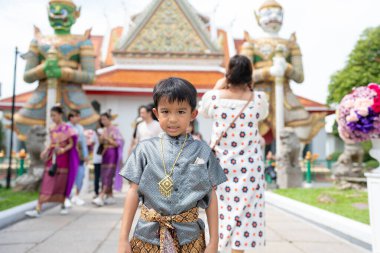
point(57, 109)
point(149, 109)
point(100, 124)
point(175, 89)
point(239, 71)
point(73, 113)
point(139, 109)
point(106, 114)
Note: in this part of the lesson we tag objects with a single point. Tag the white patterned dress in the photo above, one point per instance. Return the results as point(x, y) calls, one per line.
point(241, 198)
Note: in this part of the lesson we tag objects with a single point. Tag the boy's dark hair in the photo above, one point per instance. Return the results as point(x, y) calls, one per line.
point(239, 71)
point(57, 109)
point(73, 113)
point(175, 89)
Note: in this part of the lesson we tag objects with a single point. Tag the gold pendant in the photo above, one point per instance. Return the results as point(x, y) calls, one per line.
point(166, 186)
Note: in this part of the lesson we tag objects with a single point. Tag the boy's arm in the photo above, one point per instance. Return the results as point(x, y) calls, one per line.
point(130, 207)
point(212, 220)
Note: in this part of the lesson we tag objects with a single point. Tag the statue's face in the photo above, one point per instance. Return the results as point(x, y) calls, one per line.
point(36, 137)
point(270, 19)
point(62, 17)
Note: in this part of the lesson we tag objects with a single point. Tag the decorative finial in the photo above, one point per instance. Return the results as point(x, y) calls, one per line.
point(270, 4)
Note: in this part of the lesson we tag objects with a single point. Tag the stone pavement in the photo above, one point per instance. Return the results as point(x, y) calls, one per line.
point(89, 229)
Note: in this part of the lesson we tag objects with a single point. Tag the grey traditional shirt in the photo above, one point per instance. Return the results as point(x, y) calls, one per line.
point(195, 173)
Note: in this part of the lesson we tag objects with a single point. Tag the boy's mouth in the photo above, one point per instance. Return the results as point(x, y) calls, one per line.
point(171, 128)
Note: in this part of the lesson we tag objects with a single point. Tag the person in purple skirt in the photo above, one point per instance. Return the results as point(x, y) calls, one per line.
point(61, 166)
point(111, 148)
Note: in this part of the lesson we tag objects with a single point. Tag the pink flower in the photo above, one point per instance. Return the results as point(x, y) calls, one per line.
point(352, 117)
point(356, 106)
point(363, 111)
point(349, 103)
point(363, 102)
point(375, 87)
point(376, 105)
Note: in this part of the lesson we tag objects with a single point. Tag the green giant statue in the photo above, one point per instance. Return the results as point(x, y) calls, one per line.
point(61, 63)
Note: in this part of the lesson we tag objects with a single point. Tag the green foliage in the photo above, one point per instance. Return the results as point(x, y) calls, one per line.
point(371, 164)
point(335, 131)
point(367, 145)
point(343, 205)
point(362, 68)
point(11, 199)
point(1, 136)
point(334, 156)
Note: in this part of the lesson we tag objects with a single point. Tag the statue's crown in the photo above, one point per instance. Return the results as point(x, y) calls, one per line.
point(67, 2)
point(270, 4)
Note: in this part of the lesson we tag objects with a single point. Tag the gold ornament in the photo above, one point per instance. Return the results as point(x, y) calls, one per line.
point(166, 184)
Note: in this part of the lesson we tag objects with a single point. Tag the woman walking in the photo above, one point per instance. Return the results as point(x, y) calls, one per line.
point(112, 143)
point(236, 111)
point(62, 161)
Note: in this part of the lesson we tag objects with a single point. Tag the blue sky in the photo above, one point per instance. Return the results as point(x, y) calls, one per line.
point(327, 30)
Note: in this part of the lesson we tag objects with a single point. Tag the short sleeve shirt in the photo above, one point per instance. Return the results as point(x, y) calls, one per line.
point(146, 131)
point(194, 175)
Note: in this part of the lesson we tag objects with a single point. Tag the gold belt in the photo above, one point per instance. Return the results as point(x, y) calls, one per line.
point(165, 222)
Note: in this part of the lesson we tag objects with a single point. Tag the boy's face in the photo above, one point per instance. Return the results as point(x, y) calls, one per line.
point(174, 117)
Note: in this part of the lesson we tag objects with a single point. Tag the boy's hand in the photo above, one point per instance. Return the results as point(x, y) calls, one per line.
point(211, 248)
point(124, 247)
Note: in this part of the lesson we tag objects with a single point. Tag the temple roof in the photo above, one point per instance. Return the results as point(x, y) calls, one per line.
point(168, 28)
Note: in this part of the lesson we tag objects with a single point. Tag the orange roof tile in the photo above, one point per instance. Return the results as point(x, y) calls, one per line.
point(310, 103)
point(97, 41)
point(20, 98)
point(149, 78)
point(238, 44)
point(114, 38)
point(225, 49)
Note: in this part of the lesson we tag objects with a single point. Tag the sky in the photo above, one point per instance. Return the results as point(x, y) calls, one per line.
point(327, 31)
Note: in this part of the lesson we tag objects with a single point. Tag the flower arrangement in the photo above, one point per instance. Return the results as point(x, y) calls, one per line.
point(358, 114)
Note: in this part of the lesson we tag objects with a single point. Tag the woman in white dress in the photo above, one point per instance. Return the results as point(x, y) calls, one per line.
point(236, 111)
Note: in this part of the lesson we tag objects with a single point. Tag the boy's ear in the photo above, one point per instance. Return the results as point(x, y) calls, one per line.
point(194, 114)
point(155, 113)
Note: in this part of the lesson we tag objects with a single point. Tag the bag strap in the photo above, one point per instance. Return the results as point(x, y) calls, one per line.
point(229, 126)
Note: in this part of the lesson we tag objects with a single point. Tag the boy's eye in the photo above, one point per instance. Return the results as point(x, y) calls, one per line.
point(164, 111)
point(182, 112)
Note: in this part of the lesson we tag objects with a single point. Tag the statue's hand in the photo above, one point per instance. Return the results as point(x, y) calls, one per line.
point(51, 69)
point(279, 67)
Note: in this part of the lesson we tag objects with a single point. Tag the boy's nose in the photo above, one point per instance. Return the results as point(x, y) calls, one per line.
point(172, 118)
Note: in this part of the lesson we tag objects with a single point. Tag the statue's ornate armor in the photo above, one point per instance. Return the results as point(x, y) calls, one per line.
point(261, 52)
point(76, 58)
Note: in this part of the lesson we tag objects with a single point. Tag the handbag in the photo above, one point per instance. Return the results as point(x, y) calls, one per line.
point(229, 126)
point(100, 149)
point(53, 168)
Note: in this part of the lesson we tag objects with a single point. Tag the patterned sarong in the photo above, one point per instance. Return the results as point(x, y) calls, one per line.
point(168, 240)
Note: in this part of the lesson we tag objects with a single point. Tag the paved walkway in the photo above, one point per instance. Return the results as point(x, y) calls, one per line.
point(88, 229)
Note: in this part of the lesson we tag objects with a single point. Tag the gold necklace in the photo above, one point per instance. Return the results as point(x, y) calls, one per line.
point(166, 184)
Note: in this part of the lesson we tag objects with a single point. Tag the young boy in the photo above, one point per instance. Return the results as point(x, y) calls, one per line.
point(173, 175)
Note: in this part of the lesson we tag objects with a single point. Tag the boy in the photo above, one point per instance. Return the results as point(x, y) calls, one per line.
point(173, 175)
